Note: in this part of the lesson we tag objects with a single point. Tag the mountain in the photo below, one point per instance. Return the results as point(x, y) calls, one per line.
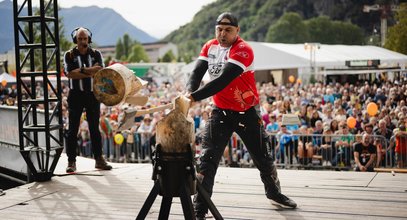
point(257, 16)
point(107, 27)
point(6, 26)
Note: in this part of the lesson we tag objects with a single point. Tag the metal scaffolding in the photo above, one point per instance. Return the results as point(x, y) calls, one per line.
point(36, 35)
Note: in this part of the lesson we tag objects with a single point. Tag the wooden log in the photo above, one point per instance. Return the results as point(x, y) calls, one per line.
point(116, 83)
point(175, 131)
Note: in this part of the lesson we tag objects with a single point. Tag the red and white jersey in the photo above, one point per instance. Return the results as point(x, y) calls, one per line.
point(241, 94)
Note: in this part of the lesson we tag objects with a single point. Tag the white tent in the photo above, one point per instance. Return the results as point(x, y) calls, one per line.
point(267, 56)
point(7, 77)
point(331, 58)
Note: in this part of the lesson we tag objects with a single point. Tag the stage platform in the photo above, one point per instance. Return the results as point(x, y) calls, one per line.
point(238, 194)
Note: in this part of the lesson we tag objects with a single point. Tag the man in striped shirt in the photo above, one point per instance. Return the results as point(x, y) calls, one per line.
point(80, 64)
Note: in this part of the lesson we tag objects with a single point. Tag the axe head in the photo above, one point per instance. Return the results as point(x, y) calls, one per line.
point(127, 121)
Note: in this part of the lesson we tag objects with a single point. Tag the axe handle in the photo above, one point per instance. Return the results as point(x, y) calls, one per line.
point(152, 110)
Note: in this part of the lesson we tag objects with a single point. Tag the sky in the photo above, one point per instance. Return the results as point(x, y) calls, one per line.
point(156, 17)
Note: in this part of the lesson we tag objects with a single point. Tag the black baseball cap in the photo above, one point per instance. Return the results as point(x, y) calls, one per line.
point(232, 19)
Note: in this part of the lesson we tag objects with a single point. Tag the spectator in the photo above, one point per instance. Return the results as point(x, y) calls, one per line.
point(272, 126)
point(368, 129)
point(305, 148)
point(327, 147)
point(266, 111)
point(382, 141)
point(359, 122)
point(286, 143)
point(334, 126)
point(85, 144)
point(315, 117)
point(107, 135)
point(364, 155)
point(379, 96)
point(401, 146)
point(145, 130)
point(294, 129)
point(317, 138)
point(303, 115)
point(287, 105)
point(329, 97)
point(344, 145)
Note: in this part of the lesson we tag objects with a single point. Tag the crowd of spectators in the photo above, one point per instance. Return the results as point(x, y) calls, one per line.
point(323, 136)
point(324, 132)
point(8, 95)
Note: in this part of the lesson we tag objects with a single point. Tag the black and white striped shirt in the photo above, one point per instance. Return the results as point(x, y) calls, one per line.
point(73, 60)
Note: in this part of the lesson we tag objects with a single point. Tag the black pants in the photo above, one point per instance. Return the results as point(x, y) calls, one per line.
point(77, 101)
point(248, 125)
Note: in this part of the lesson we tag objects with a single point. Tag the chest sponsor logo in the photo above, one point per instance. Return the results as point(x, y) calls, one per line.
point(214, 69)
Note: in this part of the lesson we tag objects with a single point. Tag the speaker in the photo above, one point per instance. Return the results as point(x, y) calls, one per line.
point(75, 32)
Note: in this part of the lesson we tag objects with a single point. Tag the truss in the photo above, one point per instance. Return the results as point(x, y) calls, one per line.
point(36, 35)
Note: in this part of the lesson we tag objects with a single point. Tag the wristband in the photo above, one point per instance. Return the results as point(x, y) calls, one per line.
point(82, 70)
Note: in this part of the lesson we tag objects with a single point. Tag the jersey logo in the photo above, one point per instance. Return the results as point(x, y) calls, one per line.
point(244, 98)
point(243, 54)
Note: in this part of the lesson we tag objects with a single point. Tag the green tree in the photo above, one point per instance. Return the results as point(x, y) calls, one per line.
point(288, 29)
point(168, 57)
point(64, 43)
point(138, 54)
point(397, 34)
point(347, 33)
point(119, 49)
point(127, 45)
point(320, 29)
point(130, 50)
point(323, 30)
point(107, 60)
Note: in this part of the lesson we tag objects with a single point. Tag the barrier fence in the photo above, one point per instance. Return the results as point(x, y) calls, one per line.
point(329, 151)
point(301, 151)
point(134, 148)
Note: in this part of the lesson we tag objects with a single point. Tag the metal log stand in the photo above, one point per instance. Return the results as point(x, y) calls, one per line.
point(174, 176)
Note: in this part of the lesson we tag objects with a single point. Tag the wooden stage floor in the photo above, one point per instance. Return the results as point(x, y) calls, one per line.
point(238, 194)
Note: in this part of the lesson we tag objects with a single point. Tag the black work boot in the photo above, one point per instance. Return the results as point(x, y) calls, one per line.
point(71, 167)
point(281, 200)
point(200, 217)
point(100, 163)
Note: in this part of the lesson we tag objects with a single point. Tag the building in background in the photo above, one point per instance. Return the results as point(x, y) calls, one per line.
point(157, 50)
